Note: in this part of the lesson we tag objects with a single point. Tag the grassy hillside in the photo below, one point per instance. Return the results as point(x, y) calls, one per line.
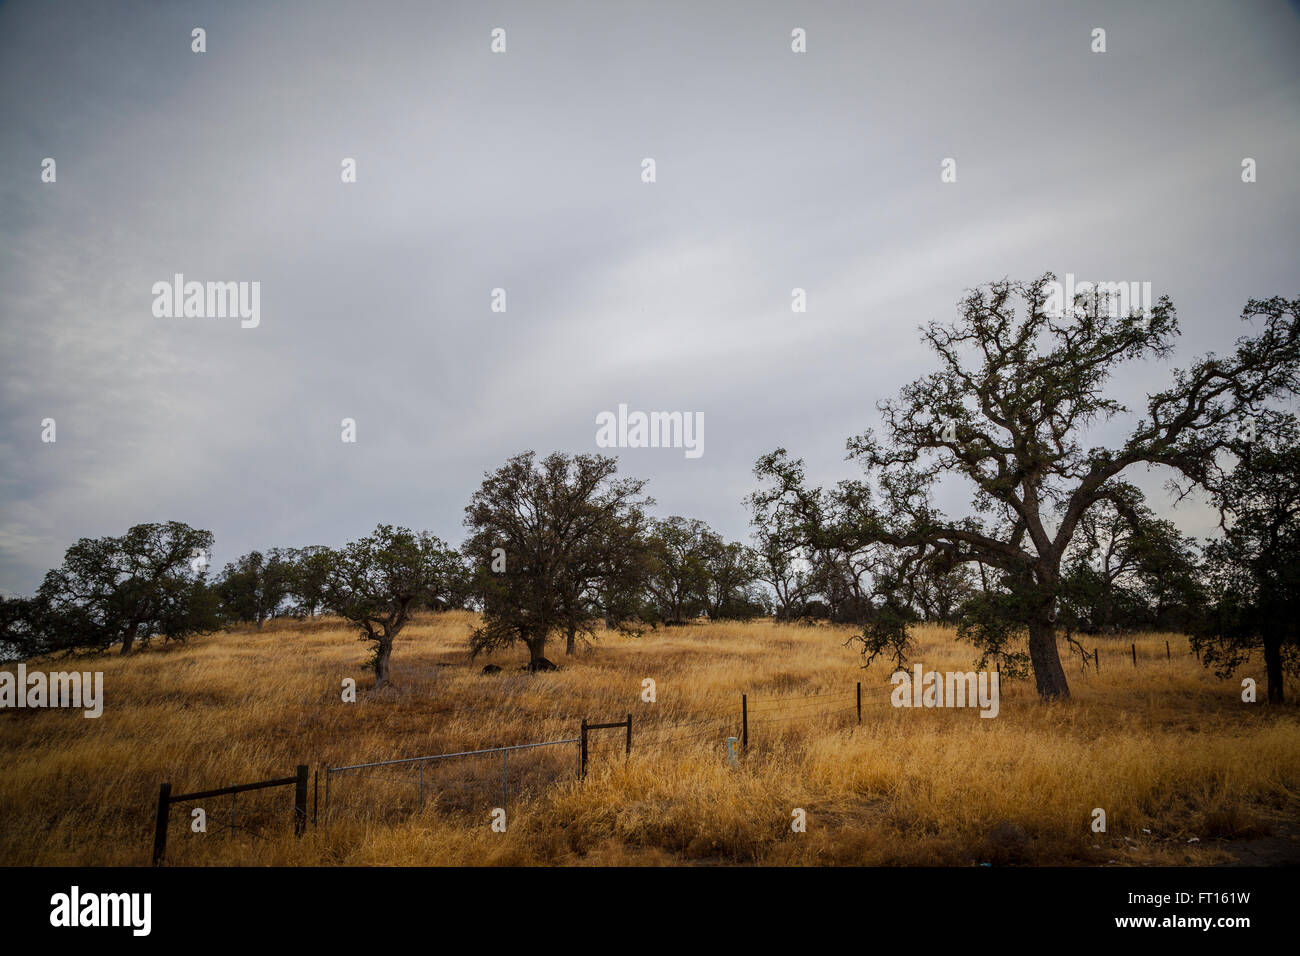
point(1167, 750)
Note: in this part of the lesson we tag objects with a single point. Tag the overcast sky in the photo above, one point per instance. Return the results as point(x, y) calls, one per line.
point(522, 171)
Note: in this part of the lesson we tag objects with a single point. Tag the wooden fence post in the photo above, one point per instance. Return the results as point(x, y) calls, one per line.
point(744, 721)
point(1135, 654)
point(859, 702)
point(628, 751)
point(584, 748)
point(1096, 659)
point(315, 797)
point(160, 823)
point(1168, 654)
point(300, 801)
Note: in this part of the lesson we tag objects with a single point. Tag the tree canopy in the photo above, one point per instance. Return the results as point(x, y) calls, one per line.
point(1017, 391)
point(377, 582)
point(1253, 571)
point(120, 592)
point(556, 545)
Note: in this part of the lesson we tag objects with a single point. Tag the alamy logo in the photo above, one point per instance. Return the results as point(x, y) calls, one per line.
point(102, 909)
point(954, 689)
point(208, 300)
point(59, 689)
point(1118, 299)
point(652, 430)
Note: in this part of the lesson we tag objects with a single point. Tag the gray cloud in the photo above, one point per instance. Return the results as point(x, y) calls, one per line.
point(522, 171)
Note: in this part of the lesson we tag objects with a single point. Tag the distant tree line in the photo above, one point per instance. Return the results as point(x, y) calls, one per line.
point(558, 548)
point(1058, 542)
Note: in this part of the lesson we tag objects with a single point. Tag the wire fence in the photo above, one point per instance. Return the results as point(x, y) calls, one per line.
point(462, 782)
point(472, 782)
point(254, 816)
point(467, 782)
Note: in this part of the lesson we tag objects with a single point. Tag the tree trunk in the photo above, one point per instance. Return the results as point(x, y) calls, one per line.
point(382, 653)
point(128, 639)
point(536, 647)
point(1273, 668)
point(573, 634)
point(1049, 675)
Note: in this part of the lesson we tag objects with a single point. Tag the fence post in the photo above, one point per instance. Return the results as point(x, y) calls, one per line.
point(744, 722)
point(1096, 659)
point(1135, 654)
point(584, 748)
point(327, 794)
point(300, 801)
point(315, 797)
point(1168, 655)
point(160, 824)
point(505, 777)
point(628, 751)
point(859, 702)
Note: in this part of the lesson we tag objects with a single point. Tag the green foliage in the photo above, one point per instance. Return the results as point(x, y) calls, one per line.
point(377, 582)
point(1253, 571)
point(310, 572)
point(119, 591)
point(253, 588)
point(1127, 569)
point(993, 621)
point(680, 553)
point(555, 546)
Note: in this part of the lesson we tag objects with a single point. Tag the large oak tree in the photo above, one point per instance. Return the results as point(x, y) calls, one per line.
point(1018, 391)
point(122, 591)
point(556, 546)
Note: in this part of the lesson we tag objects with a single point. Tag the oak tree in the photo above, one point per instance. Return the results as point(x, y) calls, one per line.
point(1254, 568)
point(379, 581)
point(556, 546)
point(1020, 387)
point(122, 591)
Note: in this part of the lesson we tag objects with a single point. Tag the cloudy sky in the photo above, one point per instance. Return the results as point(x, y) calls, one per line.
point(522, 170)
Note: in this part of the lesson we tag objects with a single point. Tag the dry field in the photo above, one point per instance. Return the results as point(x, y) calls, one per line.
point(1186, 772)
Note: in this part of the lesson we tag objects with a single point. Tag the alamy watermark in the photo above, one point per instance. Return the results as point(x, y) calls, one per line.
point(129, 910)
point(1118, 299)
point(58, 689)
point(953, 689)
point(208, 300)
point(651, 430)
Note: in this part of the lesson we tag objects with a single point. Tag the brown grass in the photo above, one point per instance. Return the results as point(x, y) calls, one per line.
point(1164, 748)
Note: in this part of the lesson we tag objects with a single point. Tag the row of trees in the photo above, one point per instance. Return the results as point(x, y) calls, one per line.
point(1057, 539)
point(557, 547)
point(562, 546)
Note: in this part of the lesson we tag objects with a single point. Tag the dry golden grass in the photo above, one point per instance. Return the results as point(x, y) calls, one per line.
point(1164, 748)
